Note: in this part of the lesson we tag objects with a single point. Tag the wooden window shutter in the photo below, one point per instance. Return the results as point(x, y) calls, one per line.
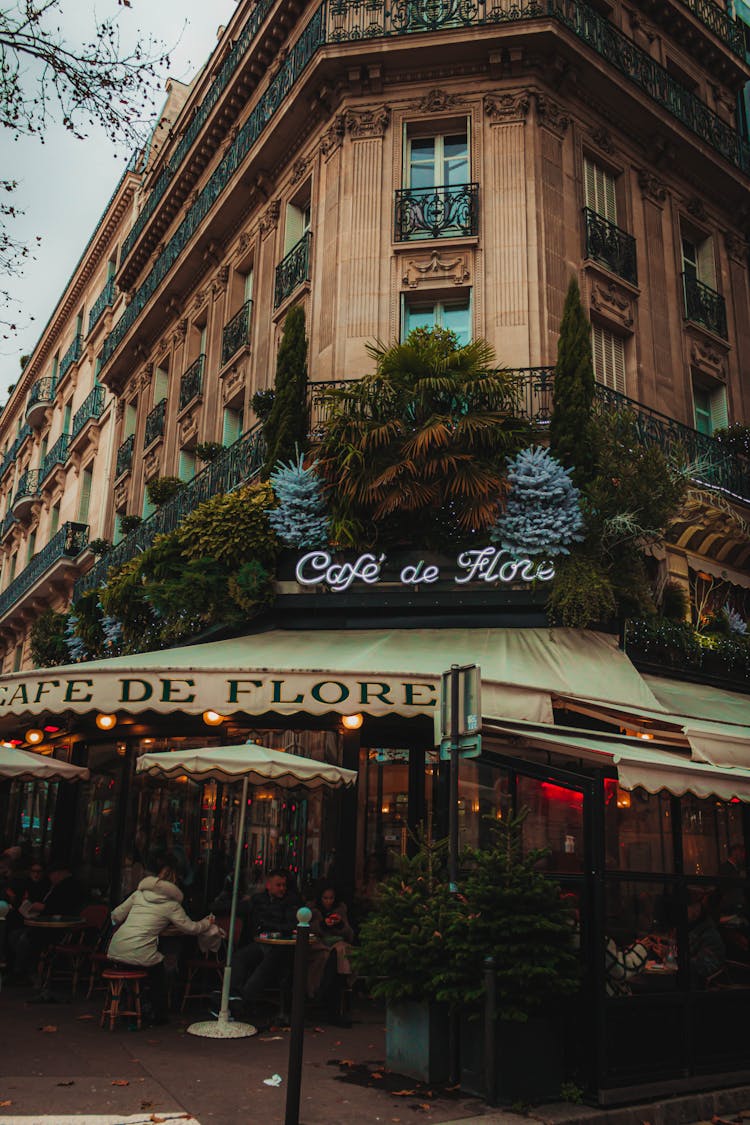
point(599, 190)
point(719, 413)
point(609, 359)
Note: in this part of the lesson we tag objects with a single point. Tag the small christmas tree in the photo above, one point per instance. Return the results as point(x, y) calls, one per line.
point(543, 514)
point(301, 519)
point(76, 648)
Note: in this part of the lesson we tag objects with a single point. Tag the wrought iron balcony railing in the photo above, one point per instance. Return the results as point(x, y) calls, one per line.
point(704, 305)
point(438, 212)
point(237, 465)
point(191, 383)
point(722, 25)
point(7, 524)
point(28, 485)
point(10, 457)
point(236, 333)
point(124, 460)
point(199, 118)
point(68, 542)
point(102, 302)
point(43, 391)
point(57, 455)
point(91, 407)
point(155, 423)
point(292, 270)
point(613, 247)
point(72, 355)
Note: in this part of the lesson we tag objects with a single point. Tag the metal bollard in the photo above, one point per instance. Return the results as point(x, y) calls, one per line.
point(297, 1036)
point(490, 1031)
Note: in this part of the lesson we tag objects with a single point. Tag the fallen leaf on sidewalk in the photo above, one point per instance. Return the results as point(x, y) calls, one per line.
point(424, 1107)
point(376, 1074)
point(270, 1038)
point(50, 1028)
point(157, 1120)
point(85, 1016)
point(347, 1062)
point(403, 1093)
point(9, 1102)
point(120, 1082)
point(71, 1083)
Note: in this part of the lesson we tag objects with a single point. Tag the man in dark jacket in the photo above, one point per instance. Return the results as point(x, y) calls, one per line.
point(256, 966)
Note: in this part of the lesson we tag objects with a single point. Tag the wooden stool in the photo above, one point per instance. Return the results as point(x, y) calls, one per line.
point(119, 980)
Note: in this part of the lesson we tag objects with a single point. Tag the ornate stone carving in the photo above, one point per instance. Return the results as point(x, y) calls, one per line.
point(651, 186)
point(121, 494)
point(438, 101)
point(707, 358)
point(603, 140)
point(151, 461)
point(551, 115)
point(697, 209)
point(180, 331)
point(270, 218)
point(362, 123)
point(199, 299)
point(146, 375)
point(219, 283)
point(119, 409)
point(243, 242)
point(232, 379)
point(428, 269)
point(189, 426)
point(737, 248)
point(503, 108)
point(612, 302)
point(333, 136)
point(298, 169)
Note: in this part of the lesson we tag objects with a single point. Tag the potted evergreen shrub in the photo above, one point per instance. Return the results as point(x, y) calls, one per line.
point(401, 954)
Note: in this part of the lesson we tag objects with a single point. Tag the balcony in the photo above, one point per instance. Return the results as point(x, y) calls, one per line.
point(90, 410)
point(104, 301)
point(41, 397)
point(9, 459)
point(611, 246)
point(155, 423)
point(191, 383)
point(449, 211)
point(6, 527)
point(703, 305)
point(723, 26)
point(72, 355)
point(236, 333)
point(237, 465)
point(27, 493)
point(292, 270)
point(124, 461)
point(54, 559)
point(57, 455)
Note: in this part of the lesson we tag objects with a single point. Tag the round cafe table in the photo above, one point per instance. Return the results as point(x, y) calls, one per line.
point(54, 922)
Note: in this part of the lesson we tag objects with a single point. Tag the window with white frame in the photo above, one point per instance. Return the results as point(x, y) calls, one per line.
point(298, 219)
point(609, 358)
point(455, 316)
point(437, 200)
point(698, 261)
point(709, 408)
point(599, 190)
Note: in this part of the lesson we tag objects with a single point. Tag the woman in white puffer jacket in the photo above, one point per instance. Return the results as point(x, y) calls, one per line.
point(141, 918)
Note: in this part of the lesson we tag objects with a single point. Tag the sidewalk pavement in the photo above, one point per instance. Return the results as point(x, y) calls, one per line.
point(58, 1067)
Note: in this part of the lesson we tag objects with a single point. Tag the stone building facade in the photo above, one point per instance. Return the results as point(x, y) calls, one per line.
point(384, 166)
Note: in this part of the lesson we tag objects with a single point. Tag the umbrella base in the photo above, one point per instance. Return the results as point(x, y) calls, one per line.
point(222, 1029)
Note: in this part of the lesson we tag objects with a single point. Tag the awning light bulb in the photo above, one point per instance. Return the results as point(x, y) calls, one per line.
point(212, 718)
point(34, 736)
point(352, 722)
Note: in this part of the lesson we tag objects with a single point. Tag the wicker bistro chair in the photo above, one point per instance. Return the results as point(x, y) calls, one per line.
point(66, 960)
point(208, 965)
point(122, 983)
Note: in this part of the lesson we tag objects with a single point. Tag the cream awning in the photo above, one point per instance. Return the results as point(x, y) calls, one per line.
point(21, 765)
point(258, 764)
point(639, 765)
point(379, 672)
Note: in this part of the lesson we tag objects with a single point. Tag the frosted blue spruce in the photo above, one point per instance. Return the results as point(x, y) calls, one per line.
point(543, 514)
point(301, 519)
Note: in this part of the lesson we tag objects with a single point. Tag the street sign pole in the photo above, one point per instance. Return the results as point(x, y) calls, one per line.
point(455, 682)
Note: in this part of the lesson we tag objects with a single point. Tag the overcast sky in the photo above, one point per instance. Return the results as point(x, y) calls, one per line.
point(64, 184)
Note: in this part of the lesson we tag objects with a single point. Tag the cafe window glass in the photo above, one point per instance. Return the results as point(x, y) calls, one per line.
point(638, 829)
point(641, 938)
point(385, 788)
point(554, 822)
point(484, 798)
point(710, 829)
point(94, 848)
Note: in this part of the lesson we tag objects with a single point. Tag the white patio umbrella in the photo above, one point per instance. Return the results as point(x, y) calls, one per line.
point(20, 765)
point(255, 765)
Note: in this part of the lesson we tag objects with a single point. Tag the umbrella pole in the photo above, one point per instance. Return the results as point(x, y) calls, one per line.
point(223, 1028)
point(224, 1011)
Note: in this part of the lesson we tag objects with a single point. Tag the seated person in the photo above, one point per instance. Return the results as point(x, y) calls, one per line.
point(64, 898)
point(329, 963)
point(156, 904)
point(705, 945)
point(271, 911)
point(621, 965)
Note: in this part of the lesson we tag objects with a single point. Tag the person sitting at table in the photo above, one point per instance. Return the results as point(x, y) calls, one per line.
point(705, 946)
point(622, 964)
point(328, 965)
point(64, 897)
point(271, 911)
point(154, 905)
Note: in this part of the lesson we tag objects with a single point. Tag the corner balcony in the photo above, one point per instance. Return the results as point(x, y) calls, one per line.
point(7, 526)
point(293, 270)
point(236, 466)
point(26, 494)
point(72, 355)
point(191, 383)
point(155, 424)
point(124, 459)
point(53, 564)
point(9, 459)
point(88, 412)
point(57, 455)
point(104, 301)
point(704, 306)
point(448, 211)
point(236, 333)
point(41, 397)
point(610, 246)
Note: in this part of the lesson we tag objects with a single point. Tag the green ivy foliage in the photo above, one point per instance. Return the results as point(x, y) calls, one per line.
point(162, 489)
point(582, 594)
point(48, 639)
point(232, 528)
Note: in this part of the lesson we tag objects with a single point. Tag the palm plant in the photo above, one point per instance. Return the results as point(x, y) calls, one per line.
point(417, 450)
